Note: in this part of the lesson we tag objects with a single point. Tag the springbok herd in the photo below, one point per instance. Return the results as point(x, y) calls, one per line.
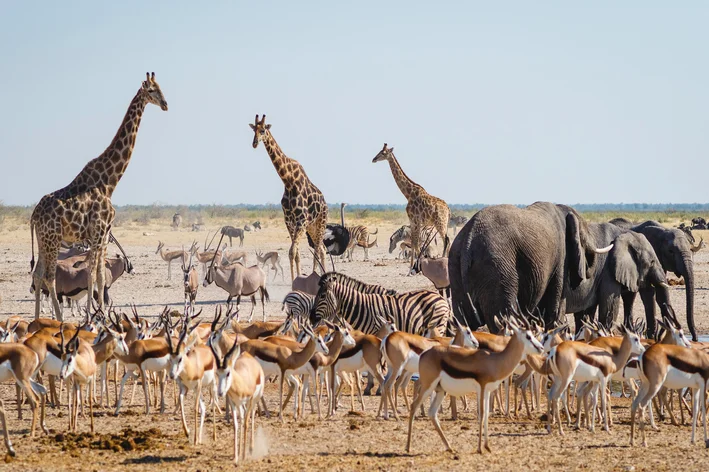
point(337, 328)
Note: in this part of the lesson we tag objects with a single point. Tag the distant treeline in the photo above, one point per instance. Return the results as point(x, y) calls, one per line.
point(463, 207)
point(395, 213)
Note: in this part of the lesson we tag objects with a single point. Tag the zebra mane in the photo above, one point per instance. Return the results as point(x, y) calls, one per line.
point(355, 284)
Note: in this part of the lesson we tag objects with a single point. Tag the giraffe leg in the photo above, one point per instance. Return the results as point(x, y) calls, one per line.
point(38, 278)
point(94, 253)
point(50, 275)
point(294, 254)
point(415, 242)
point(101, 271)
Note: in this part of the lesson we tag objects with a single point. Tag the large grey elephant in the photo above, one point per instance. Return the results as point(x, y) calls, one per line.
point(674, 250)
point(506, 256)
point(630, 267)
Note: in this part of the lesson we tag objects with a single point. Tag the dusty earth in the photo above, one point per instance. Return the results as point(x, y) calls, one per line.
point(352, 441)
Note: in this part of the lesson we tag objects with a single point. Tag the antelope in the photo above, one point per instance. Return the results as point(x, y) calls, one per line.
point(339, 339)
point(282, 361)
point(573, 360)
point(111, 342)
point(208, 254)
point(191, 283)
point(169, 256)
point(238, 280)
point(402, 352)
point(671, 367)
point(8, 333)
point(309, 284)
point(19, 363)
point(241, 379)
point(146, 355)
point(459, 370)
point(233, 255)
point(79, 364)
point(20, 327)
point(366, 356)
point(71, 279)
point(272, 258)
point(192, 367)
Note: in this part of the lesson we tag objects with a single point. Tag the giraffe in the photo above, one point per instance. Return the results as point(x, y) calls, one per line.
point(422, 208)
point(304, 207)
point(82, 211)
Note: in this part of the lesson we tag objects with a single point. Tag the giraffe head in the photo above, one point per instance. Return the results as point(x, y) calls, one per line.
point(152, 92)
point(260, 129)
point(385, 154)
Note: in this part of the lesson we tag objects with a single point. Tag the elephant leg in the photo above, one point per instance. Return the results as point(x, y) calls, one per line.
point(647, 295)
point(628, 302)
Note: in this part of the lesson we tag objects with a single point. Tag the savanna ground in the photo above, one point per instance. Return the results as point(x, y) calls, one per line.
point(351, 441)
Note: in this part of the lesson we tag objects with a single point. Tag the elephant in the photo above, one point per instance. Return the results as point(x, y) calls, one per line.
point(623, 223)
point(630, 267)
point(507, 257)
point(674, 250)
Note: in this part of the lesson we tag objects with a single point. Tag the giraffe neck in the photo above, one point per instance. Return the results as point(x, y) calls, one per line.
point(406, 185)
point(278, 158)
point(106, 170)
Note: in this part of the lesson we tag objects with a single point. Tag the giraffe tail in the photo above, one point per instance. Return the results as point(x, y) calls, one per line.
point(32, 235)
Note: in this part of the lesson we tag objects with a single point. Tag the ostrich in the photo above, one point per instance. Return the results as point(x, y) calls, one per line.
point(336, 238)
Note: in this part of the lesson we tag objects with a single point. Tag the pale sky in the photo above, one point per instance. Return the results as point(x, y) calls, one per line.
point(490, 102)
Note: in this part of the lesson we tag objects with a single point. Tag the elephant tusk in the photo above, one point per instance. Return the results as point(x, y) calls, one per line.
point(665, 285)
point(603, 250)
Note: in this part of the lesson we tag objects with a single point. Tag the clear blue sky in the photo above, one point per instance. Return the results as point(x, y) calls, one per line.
point(493, 102)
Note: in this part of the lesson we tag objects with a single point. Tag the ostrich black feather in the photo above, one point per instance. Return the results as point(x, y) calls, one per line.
point(336, 239)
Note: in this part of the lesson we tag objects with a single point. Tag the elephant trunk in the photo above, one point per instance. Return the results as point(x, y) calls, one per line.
point(686, 269)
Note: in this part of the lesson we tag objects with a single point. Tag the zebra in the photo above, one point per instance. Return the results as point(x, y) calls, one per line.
point(298, 305)
point(417, 312)
point(359, 236)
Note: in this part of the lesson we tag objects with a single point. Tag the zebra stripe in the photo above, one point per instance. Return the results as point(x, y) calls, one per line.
point(298, 304)
point(413, 312)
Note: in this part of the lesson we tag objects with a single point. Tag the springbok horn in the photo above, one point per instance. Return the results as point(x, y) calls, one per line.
point(604, 250)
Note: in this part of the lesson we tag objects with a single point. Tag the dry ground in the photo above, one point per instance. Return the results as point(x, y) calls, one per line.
point(352, 441)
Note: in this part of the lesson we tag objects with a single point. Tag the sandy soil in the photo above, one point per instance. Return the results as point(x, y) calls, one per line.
point(352, 441)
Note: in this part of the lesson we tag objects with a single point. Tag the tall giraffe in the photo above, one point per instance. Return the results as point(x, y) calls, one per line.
point(304, 207)
point(423, 209)
point(82, 211)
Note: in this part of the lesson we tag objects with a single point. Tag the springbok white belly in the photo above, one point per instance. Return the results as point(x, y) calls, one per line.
point(586, 373)
point(157, 364)
point(52, 364)
point(677, 379)
point(350, 364)
point(208, 378)
point(411, 364)
point(459, 387)
point(269, 368)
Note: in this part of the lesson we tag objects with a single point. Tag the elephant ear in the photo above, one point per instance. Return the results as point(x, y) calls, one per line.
point(624, 267)
point(574, 251)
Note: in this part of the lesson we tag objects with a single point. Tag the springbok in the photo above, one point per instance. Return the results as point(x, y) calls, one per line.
point(241, 379)
point(169, 256)
point(272, 258)
point(459, 370)
point(19, 363)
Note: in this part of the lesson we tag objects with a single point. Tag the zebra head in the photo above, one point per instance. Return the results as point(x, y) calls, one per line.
point(325, 304)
